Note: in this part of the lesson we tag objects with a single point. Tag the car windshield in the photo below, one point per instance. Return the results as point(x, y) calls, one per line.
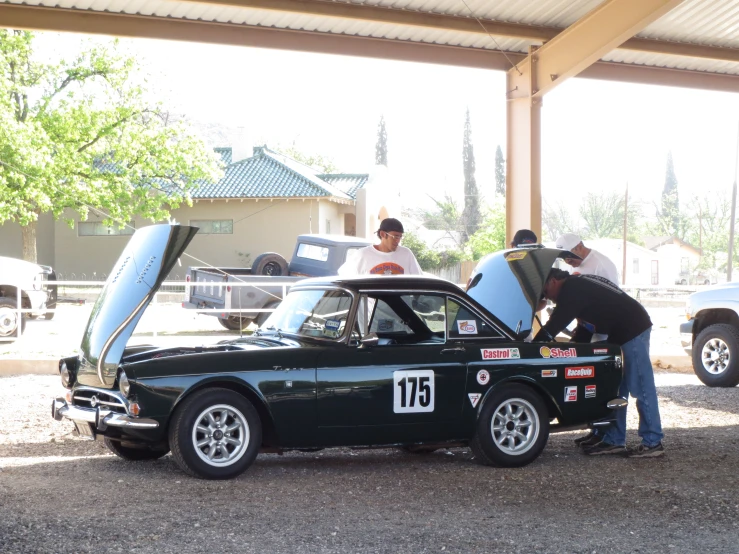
point(312, 313)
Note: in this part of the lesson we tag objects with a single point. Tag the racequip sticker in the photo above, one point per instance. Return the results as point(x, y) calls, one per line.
point(548, 372)
point(570, 394)
point(515, 256)
point(413, 391)
point(467, 327)
point(585, 372)
point(547, 352)
point(499, 353)
point(474, 398)
point(589, 391)
point(600, 350)
point(483, 377)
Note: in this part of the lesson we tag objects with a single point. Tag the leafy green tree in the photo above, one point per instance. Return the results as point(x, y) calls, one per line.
point(490, 237)
point(322, 164)
point(556, 219)
point(427, 258)
point(499, 172)
point(80, 135)
point(670, 212)
point(471, 215)
point(603, 213)
point(381, 146)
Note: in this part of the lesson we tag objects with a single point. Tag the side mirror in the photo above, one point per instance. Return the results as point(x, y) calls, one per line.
point(369, 341)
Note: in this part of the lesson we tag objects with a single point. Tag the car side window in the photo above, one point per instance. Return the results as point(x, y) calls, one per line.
point(386, 321)
point(463, 323)
point(405, 318)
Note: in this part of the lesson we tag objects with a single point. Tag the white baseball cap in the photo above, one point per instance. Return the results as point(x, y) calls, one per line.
point(568, 241)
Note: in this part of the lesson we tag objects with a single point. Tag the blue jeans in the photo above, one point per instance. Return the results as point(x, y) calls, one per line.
point(639, 382)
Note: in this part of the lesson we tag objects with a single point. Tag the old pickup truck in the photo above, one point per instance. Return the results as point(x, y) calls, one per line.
point(235, 292)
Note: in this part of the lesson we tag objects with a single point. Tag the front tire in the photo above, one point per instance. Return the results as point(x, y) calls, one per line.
point(215, 434)
point(513, 428)
point(716, 355)
point(133, 454)
point(9, 319)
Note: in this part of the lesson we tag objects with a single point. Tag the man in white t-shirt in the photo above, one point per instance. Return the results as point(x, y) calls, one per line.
point(592, 263)
point(386, 258)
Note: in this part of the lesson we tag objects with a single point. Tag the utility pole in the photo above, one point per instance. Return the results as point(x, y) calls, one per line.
point(733, 211)
point(626, 212)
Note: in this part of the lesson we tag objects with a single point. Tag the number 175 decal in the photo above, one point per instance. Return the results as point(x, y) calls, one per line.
point(414, 391)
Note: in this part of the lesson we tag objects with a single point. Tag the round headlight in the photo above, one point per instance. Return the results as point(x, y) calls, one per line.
point(66, 375)
point(123, 384)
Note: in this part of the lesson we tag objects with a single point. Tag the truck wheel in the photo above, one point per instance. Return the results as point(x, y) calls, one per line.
point(513, 428)
point(215, 434)
point(133, 454)
point(262, 317)
point(9, 319)
point(235, 323)
point(269, 263)
point(716, 355)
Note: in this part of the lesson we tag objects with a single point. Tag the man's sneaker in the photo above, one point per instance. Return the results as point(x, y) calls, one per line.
point(585, 438)
point(644, 451)
point(591, 441)
point(604, 448)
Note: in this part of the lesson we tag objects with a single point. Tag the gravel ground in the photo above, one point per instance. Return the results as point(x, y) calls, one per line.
point(59, 494)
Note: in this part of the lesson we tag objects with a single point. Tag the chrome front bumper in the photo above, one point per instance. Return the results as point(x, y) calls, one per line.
point(101, 418)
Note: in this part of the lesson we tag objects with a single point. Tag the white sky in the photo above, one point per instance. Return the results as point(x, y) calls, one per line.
point(596, 134)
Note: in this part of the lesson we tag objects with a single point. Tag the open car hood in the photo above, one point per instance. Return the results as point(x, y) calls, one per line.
point(147, 259)
point(510, 283)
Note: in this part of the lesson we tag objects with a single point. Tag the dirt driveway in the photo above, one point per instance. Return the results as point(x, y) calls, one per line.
point(59, 494)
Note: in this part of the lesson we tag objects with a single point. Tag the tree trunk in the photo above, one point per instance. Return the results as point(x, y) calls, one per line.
point(28, 232)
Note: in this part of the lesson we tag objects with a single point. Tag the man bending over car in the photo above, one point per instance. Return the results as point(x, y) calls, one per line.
point(611, 311)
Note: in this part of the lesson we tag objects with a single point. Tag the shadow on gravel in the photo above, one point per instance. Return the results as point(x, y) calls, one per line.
point(700, 396)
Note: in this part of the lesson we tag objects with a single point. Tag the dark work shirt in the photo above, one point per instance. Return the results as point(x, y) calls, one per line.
point(595, 300)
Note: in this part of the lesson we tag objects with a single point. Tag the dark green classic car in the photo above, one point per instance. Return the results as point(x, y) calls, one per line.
point(414, 362)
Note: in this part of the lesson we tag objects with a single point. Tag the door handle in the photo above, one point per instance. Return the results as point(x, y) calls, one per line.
point(455, 350)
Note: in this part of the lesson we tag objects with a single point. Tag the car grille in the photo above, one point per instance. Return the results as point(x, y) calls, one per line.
point(93, 398)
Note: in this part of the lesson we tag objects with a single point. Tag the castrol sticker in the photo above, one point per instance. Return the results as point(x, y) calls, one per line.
point(589, 391)
point(570, 394)
point(467, 327)
point(500, 353)
point(586, 372)
point(548, 372)
point(483, 377)
point(547, 352)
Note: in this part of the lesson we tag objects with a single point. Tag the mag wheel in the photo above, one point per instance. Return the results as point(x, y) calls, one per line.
point(513, 428)
point(215, 434)
point(716, 355)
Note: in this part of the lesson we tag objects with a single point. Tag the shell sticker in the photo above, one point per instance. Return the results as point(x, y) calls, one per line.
point(514, 256)
point(483, 377)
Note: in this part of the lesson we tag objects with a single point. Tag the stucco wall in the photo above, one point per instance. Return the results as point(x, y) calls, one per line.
point(11, 244)
point(258, 227)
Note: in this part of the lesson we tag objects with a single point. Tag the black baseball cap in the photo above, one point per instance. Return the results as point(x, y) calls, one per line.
point(524, 236)
point(391, 224)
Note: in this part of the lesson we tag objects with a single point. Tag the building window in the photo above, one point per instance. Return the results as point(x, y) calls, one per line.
point(636, 266)
point(684, 265)
point(214, 226)
point(328, 226)
point(100, 229)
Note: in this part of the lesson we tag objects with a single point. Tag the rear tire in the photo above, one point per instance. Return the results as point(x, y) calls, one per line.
point(270, 263)
point(512, 429)
point(716, 355)
point(235, 323)
point(215, 434)
point(133, 454)
point(9, 319)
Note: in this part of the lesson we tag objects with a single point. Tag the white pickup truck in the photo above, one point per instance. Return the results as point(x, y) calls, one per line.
point(35, 294)
point(711, 334)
